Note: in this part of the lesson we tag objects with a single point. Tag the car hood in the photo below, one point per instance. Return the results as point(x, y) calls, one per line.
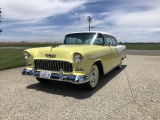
point(62, 52)
point(74, 48)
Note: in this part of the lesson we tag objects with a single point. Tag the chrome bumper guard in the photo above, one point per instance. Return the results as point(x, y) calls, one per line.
point(76, 79)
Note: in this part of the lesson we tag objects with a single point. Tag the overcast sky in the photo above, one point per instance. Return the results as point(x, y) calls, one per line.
point(50, 20)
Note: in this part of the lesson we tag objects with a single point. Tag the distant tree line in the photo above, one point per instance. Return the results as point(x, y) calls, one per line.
point(141, 43)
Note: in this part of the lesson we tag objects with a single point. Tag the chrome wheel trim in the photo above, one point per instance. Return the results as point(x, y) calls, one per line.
point(94, 76)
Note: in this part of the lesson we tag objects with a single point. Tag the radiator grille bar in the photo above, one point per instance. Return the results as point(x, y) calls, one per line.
point(53, 65)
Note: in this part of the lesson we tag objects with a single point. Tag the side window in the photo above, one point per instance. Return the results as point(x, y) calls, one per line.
point(114, 42)
point(108, 40)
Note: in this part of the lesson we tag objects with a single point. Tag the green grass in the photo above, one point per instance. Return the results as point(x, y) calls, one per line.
point(11, 58)
point(143, 46)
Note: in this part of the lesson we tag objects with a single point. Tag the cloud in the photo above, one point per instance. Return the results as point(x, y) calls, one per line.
point(144, 18)
point(153, 30)
point(37, 9)
point(128, 20)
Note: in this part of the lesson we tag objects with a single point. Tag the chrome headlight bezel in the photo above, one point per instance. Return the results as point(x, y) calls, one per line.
point(78, 57)
point(26, 55)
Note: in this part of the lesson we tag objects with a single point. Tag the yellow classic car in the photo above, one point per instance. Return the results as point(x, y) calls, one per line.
point(83, 58)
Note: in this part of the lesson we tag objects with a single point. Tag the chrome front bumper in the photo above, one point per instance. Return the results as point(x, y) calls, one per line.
point(76, 79)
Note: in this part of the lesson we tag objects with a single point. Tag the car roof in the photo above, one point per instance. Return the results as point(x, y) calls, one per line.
point(93, 32)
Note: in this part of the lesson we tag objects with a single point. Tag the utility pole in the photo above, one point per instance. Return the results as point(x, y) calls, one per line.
point(89, 20)
point(0, 21)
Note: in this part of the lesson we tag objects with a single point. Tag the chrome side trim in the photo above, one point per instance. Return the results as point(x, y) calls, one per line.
point(98, 55)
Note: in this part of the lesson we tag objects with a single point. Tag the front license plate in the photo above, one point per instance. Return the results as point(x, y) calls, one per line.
point(45, 74)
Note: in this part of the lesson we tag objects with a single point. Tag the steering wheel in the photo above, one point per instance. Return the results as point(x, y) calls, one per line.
point(98, 41)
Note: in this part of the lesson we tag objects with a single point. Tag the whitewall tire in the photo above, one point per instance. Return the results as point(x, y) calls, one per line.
point(94, 77)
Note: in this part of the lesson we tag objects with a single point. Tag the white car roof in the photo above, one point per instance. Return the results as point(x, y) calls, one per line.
point(93, 32)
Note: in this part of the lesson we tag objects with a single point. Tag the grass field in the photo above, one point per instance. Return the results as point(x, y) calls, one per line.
point(142, 46)
point(11, 58)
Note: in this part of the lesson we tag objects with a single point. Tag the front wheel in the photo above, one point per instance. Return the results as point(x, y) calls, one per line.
point(94, 76)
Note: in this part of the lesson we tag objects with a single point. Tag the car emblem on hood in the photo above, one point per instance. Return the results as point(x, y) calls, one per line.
point(50, 55)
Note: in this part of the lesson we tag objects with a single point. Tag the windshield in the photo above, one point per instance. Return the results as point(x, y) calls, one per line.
point(84, 38)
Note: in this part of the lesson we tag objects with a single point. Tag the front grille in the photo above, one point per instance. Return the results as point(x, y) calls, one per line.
point(53, 65)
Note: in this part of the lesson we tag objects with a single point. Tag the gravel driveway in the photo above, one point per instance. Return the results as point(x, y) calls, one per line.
point(132, 93)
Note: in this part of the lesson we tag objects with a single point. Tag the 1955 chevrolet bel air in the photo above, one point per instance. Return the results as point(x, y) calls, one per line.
point(83, 58)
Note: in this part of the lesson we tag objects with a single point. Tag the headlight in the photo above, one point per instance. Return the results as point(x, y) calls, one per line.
point(78, 58)
point(26, 55)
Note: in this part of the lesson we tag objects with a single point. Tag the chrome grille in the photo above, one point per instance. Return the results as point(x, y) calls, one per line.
point(53, 65)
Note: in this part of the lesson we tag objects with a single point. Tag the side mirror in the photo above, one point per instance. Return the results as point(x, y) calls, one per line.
point(120, 43)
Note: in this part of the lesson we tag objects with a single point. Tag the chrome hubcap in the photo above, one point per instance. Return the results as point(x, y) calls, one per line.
point(94, 75)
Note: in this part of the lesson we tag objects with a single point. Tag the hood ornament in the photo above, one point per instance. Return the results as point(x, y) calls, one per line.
point(52, 48)
point(50, 55)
